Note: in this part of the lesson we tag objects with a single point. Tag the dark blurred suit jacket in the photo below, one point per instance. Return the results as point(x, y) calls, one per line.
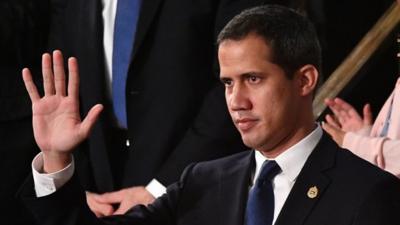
point(175, 103)
point(23, 38)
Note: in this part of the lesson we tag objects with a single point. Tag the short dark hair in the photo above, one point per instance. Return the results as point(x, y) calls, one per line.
point(291, 36)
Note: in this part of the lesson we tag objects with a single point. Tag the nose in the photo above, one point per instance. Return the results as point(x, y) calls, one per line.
point(238, 99)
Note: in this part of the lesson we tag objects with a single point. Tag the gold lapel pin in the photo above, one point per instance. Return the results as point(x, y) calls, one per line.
point(312, 192)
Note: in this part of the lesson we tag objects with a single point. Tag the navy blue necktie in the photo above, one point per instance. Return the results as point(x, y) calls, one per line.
point(124, 34)
point(260, 205)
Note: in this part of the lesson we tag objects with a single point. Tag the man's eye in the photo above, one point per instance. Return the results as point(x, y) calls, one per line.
point(254, 79)
point(227, 82)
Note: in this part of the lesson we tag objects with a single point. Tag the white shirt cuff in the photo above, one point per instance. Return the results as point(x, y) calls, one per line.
point(156, 188)
point(48, 183)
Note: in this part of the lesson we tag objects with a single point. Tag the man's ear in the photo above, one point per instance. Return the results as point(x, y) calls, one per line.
point(307, 76)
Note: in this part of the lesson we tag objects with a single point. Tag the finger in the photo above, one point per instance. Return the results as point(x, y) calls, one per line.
point(367, 114)
point(101, 210)
point(331, 121)
point(98, 208)
point(123, 208)
point(98, 214)
point(104, 210)
point(328, 128)
point(335, 108)
point(30, 85)
point(120, 211)
point(341, 108)
point(91, 118)
point(59, 73)
point(351, 112)
point(328, 101)
point(343, 104)
point(48, 79)
point(111, 197)
point(336, 134)
point(73, 82)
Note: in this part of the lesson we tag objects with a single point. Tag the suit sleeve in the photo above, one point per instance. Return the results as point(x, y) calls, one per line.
point(381, 206)
point(67, 206)
point(381, 151)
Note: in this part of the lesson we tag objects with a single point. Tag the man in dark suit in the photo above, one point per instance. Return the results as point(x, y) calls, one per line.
point(269, 59)
point(174, 102)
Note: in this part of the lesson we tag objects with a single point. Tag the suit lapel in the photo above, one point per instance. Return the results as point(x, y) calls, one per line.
point(233, 190)
point(148, 11)
point(310, 185)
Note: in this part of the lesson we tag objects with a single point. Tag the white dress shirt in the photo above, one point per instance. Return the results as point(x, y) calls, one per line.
point(108, 13)
point(48, 183)
point(291, 162)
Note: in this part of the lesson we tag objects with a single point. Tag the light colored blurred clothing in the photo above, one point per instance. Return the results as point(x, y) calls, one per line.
point(368, 144)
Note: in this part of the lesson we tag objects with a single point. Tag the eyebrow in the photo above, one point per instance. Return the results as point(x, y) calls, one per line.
point(245, 75)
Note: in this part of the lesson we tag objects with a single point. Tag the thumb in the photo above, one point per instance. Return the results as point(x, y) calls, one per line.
point(122, 209)
point(329, 129)
point(367, 114)
point(336, 134)
point(89, 121)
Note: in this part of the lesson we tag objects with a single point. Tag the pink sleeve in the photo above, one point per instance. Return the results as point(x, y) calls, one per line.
point(380, 151)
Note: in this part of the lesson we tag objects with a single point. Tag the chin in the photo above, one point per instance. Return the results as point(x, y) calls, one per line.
point(251, 143)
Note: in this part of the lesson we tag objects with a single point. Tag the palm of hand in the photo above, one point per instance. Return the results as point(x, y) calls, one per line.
point(56, 123)
point(345, 116)
point(352, 122)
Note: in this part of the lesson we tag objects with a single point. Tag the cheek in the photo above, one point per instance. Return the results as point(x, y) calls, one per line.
point(275, 105)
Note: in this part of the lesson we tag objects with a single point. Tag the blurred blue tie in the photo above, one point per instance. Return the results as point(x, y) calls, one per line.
point(124, 36)
point(260, 204)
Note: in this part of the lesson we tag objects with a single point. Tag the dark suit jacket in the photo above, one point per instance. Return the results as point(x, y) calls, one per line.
point(350, 191)
point(23, 38)
point(175, 103)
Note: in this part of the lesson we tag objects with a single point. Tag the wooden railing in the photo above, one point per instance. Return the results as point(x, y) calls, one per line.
point(357, 58)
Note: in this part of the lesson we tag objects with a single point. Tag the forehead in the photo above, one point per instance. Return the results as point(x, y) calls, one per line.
point(240, 56)
point(252, 43)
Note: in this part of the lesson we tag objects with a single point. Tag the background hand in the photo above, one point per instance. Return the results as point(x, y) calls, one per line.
point(97, 207)
point(127, 198)
point(56, 121)
point(336, 133)
point(346, 118)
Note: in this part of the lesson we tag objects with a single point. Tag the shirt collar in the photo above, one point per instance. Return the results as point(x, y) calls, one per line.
point(293, 159)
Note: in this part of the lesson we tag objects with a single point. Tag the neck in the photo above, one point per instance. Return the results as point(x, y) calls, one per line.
point(289, 140)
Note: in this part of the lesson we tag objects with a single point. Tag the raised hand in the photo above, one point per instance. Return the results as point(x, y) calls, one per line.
point(57, 125)
point(346, 117)
point(336, 133)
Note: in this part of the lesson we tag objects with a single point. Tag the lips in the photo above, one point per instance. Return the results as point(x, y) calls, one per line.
point(245, 124)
